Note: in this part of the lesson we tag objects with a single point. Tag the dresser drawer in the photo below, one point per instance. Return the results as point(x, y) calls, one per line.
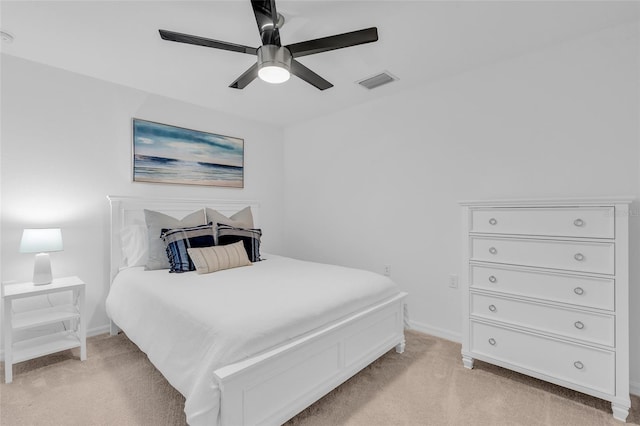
point(592, 222)
point(590, 327)
point(582, 291)
point(584, 366)
point(569, 255)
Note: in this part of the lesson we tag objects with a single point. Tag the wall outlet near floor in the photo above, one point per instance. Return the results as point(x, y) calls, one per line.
point(453, 281)
point(387, 270)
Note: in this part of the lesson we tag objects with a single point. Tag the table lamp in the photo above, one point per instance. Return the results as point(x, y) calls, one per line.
point(41, 241)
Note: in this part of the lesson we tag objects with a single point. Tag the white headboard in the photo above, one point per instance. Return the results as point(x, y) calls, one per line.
point(127, 211)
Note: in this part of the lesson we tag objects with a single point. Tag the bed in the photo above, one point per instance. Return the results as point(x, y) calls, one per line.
point(240, 352)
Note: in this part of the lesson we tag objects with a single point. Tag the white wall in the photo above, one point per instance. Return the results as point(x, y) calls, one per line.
point(66, 145)
point(379, 184)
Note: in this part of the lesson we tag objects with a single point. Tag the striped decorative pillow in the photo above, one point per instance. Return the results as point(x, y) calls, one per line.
point(250, 237)
point(212, 259)
point(177, 241)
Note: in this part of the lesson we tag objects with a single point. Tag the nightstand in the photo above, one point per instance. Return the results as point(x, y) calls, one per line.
point(74, 313)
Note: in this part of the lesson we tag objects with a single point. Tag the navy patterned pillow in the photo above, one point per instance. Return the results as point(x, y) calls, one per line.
point(178, 240)
point(249, 237)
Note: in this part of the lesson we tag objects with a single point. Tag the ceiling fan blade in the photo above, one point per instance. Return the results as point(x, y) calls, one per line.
point(309, 76)
point(247, 77)
point(207, 42)
point(267, 19)
point(339, 41)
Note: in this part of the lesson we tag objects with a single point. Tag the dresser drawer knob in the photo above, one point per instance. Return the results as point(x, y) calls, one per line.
point(578, 365)
point(579, 291)
point(493, 250)
point(493, 221)
point(492, 341)
point(579, 325)
point(578, 222)
point(579, 257)
point(492, 308)
point(492, 279)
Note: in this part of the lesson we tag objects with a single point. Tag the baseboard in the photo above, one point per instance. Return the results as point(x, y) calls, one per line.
point(634, 388)
point(435, 331)
point(90, 333)
point(98, 330)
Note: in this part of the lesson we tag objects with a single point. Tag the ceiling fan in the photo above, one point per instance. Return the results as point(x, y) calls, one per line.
point(276, 62)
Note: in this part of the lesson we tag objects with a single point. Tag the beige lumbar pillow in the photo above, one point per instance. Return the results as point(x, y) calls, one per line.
point(217, 258)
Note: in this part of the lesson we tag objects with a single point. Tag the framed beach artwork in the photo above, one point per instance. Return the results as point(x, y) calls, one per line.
point(170, 154)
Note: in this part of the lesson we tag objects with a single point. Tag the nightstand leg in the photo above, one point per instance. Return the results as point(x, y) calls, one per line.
point(8, 342)
point(82, 330)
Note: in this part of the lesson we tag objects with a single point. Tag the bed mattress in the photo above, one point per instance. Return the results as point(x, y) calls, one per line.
point(190, 325)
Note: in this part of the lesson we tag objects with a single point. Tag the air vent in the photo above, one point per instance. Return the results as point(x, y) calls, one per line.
point(377, 80)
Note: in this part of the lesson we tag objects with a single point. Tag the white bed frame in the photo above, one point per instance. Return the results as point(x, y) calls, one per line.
point(272, 387)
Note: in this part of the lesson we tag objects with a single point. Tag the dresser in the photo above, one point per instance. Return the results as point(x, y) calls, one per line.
point(545, 292)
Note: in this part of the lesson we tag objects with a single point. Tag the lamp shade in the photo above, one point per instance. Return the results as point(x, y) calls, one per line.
point(41, 240)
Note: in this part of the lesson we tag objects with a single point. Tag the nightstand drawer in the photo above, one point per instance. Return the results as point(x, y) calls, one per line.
point(583, 291)
point(581, 365)
point(593, 257)
point(586, 326)
point(592, 222)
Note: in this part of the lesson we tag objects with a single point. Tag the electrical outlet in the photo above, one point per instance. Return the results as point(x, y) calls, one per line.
point(387, 270)
point(453, 281)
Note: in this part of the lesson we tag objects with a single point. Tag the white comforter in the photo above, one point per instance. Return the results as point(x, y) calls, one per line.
point(189, 325)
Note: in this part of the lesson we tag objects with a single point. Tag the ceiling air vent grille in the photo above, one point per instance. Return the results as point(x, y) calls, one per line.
point(377, 80)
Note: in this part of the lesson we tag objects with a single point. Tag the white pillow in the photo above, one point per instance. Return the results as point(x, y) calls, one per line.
point(134, 243)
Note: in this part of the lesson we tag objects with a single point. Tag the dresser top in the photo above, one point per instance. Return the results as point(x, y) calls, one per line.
point(589, 201)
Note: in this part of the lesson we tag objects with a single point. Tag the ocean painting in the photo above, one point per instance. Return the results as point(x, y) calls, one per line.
point(169, 154)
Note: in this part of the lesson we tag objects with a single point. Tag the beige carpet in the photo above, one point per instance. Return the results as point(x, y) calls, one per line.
point(426, 385)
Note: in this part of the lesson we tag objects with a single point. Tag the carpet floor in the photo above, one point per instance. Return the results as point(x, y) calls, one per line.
point(427, 385)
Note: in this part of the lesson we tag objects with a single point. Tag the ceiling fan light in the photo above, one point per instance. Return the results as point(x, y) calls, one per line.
point(273, 74)
point(274, 63)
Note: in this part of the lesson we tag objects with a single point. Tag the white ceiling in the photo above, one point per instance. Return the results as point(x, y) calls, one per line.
point(420, 41)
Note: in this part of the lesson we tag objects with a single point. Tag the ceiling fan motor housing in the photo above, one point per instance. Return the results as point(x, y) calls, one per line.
point(271, 55)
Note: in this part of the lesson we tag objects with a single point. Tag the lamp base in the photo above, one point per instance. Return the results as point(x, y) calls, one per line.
point(42, 269)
